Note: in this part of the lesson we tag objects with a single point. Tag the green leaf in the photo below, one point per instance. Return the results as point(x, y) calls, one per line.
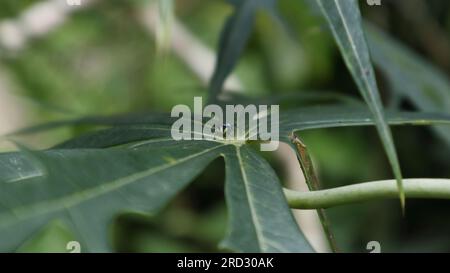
point(113, 120)
point(87, 188)
point(344, 19)
point(411, 76)
point(233, 39)
point(141, 169)
point(338, 116)
point(87, 196)
point(290, 121)
point(119, 135)
point(330, 116)
point(260, 220)
point(138, 133)
point(157, 119)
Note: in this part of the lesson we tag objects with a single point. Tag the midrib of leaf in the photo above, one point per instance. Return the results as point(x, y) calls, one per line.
point(339, 122)
point(263, 245)
point(76, 198)
point(361, 66)
point(255, 220)
point(371, 97)
point(151, 141)
point(375, 108)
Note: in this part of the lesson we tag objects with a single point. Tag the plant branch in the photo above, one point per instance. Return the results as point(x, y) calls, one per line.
point(425, 188)
point(313, 184)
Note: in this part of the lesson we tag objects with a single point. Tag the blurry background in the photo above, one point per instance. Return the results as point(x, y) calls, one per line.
point(115, 56)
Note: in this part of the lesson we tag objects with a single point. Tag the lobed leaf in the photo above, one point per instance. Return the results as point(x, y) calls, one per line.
point(140, 168)
point(88, 187)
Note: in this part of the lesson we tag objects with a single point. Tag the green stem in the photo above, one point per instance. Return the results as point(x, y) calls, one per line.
point(414, 188)
point(313, 185)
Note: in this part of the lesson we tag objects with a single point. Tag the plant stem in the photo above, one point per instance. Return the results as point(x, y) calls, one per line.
point(313, 185)
point(414, 188)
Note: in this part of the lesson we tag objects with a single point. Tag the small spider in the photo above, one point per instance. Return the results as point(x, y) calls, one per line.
point(226, 127)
